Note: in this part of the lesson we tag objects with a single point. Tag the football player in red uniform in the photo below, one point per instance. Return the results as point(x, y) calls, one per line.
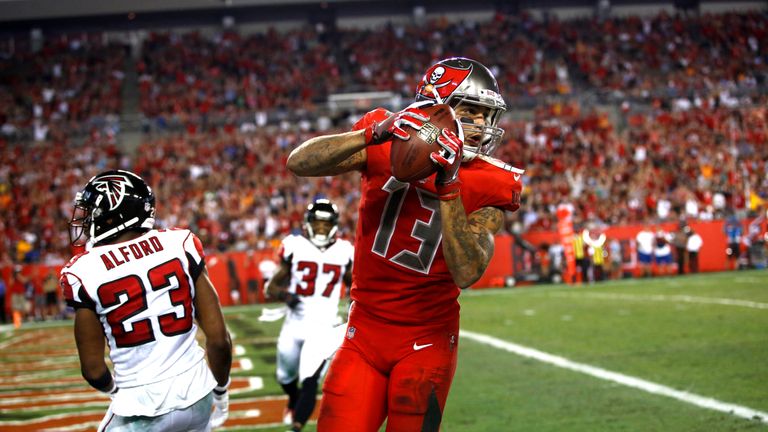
point(416, 245)
point(144, 292)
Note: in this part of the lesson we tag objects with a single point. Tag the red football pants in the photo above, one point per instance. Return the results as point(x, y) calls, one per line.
point(384, 370)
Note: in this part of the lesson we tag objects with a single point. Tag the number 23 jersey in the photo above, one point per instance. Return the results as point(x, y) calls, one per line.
point(401, 274)
point(142, 291)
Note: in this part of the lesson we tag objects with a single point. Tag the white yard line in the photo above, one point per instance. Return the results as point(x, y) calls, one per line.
point(665, 298)
point(629, 381)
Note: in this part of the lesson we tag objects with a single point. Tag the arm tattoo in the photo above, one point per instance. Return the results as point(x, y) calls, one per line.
point(487, 219)
point(353, 163)
point(468, 241)
point(485, 223)
point(328, 155)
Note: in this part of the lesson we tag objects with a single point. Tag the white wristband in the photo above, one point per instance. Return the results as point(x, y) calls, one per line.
point(221, 389)
point(112, 390)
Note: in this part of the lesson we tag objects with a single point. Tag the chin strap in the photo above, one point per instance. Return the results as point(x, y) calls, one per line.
point(113, 231)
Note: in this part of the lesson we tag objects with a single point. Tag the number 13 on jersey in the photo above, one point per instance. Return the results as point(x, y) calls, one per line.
point(428, 233)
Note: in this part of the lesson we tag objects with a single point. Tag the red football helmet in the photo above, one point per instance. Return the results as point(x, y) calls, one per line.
point(459, 80)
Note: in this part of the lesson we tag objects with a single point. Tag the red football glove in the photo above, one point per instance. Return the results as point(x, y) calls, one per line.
point(448, 160)
point(412, 116)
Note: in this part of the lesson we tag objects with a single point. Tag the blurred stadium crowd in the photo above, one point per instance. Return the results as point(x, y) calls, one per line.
point(631, 119)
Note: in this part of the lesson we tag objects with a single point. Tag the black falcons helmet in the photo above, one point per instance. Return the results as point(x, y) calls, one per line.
point(321, 210)
point(458, 80)
point(111, 202)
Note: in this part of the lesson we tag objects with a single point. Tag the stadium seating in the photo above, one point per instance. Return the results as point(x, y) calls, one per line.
point(639, 118)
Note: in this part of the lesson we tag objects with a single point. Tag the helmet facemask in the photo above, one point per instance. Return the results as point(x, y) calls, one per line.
point(489, 133)
point(80, 224)
point(318, 239)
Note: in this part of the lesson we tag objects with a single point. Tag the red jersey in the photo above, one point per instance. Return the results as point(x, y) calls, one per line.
point(400, 274)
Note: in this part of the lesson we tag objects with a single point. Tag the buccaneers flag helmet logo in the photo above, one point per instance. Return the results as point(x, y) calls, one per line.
point(443, 79)
point(113, 186)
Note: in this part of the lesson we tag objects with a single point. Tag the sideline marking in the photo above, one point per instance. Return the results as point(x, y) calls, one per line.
point(641, 384)
point(246, 364)
point(255, 383)
point(667, 298)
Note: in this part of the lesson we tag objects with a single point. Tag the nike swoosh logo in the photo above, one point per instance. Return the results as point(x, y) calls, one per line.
point(417, 347)
point(516, 176)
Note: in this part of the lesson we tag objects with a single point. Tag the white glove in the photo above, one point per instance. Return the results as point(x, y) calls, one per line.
point(220, 406)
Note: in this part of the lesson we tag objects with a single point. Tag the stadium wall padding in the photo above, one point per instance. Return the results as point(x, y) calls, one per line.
point(238, 272)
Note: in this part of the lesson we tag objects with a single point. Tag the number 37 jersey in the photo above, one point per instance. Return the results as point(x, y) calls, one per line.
point(142, 291)
point(401, 274)
point(316, 277)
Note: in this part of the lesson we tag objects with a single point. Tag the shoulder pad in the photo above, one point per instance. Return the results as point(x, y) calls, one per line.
point(377, 114)
point(500, 164)
point(171, 229)
point(74, 259)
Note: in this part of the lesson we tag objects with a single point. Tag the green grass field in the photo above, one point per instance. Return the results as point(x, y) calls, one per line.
point(539, 358)
point(705, 334)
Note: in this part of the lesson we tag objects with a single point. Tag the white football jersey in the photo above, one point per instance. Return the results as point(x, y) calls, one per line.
point(143, 291)
point(316, 277)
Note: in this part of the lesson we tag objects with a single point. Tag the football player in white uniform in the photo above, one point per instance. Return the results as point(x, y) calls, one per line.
point(145, 292)
point(312, 267)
